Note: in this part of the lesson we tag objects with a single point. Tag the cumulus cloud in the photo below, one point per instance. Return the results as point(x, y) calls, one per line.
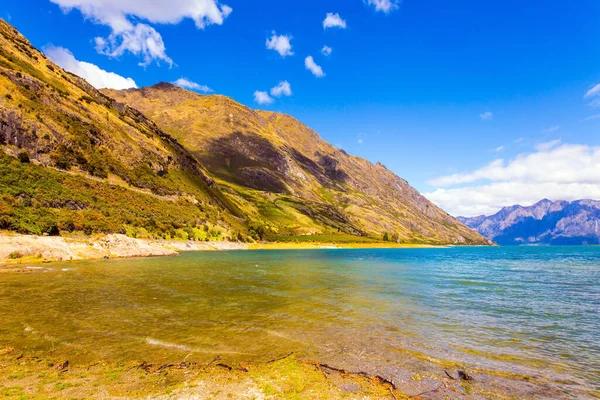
point(554, 170)
point(486, 115)
point(310, 65)
point(385, 6)
point(96, 76)
point(282, 89)
point(326, 50)
point(280, 43)
point(262, 98)
point(141, 39)
point(489, 199)
point(187, 84)
point(334, 21)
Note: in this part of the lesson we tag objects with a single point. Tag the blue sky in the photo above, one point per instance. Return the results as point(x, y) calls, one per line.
point(438, 91)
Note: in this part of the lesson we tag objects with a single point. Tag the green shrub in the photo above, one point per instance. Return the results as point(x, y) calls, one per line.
point(23, 157)
point(37, 200)
point(256, 230)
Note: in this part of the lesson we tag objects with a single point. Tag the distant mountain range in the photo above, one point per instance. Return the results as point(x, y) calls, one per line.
point(544, 223)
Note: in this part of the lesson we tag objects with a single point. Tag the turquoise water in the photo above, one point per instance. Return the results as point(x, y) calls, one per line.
point(533, 311)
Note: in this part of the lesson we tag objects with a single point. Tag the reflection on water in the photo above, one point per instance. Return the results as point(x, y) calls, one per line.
point(533, 311)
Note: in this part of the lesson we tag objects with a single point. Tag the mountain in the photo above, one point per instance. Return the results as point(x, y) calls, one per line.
point(283, 173)
point(74, 159)
point(546, 222)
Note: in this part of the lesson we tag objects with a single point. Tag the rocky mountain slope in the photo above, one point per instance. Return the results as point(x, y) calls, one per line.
point(281, 172)
point(73, 159)
point(546, 222)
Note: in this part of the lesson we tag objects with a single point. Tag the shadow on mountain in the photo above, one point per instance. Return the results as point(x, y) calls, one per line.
point(248, 160)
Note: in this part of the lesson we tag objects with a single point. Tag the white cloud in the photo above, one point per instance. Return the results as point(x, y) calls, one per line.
point(555, 171)
point(310, 65)
point(552, 129)
point(334, 21)
point(594, 95)
point(545, 146)
point(519, 140)
point(326, 50)
point(262, 97)
point(486, 115)
point(280, 43)
point(139, 38)
point(594, 91)
point(591, 117)
point(489, 199)
point(96, 76)
point(595, 103)
point(187, 84)
point(499, 149)
point(142, 40)
point(385, 6)
point(282, 89)
point(359, 141)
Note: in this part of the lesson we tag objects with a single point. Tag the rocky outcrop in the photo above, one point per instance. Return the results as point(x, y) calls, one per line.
point(546, 222)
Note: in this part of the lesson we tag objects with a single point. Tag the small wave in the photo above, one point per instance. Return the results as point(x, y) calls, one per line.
point(156, 342)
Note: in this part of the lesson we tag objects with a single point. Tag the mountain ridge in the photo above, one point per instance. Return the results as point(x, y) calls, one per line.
point(545, 222)
point(275, 153)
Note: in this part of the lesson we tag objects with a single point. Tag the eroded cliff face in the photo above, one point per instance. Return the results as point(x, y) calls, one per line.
point(281, 172)
point(546, 222)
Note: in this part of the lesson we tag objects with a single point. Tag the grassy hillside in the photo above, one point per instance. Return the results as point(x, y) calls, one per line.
point(75, 160)
point(281, 173)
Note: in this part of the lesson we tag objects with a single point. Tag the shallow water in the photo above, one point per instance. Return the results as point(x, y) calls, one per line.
point(528, 310)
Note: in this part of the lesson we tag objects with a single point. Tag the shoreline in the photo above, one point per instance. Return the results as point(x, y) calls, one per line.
point(194, 375)
point(17, 248)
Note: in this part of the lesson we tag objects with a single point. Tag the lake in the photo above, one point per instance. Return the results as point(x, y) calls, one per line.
point(523, 311)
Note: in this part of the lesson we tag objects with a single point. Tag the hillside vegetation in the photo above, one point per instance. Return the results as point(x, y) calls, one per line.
point(83, 162)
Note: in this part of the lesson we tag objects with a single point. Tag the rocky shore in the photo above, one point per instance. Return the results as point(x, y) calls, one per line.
point(14, 247)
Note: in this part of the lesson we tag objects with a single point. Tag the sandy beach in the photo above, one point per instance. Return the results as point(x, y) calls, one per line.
point(16, 248)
